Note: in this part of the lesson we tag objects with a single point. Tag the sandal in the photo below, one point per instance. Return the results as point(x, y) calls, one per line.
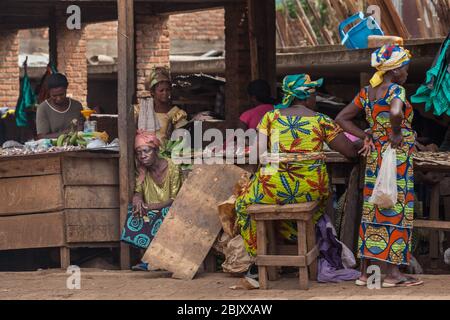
point(140, 267)
point(361, 283)
point(403, 282)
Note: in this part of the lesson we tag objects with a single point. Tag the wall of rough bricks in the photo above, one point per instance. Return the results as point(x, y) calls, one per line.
point(71, 59)
point(152, 47)
point(201, 25)
point(9, 68)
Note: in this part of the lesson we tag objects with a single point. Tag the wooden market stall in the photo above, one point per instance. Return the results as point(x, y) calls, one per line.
point(85, 210)
point(249, 56)
point(63, 199)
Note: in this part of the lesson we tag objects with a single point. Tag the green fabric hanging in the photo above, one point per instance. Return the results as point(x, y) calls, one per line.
point(26, 101)
point(435, 93)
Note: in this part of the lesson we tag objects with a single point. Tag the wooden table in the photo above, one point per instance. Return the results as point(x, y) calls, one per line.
point(435, 162)
point(64, 200)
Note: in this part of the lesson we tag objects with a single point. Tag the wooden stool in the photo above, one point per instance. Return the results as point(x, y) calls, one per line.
point(307, 251)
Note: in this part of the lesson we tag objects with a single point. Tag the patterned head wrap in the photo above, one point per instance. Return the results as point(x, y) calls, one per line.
point(157, 75)
point(388, 57)
point(297, 86)
point(144, 138)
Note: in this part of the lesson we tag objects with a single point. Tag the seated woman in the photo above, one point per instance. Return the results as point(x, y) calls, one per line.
point(261, 102)
point(156, 113)
point(157, 184)
point(300, 129)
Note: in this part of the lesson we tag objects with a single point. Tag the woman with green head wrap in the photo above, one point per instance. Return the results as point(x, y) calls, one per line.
point(293, 127)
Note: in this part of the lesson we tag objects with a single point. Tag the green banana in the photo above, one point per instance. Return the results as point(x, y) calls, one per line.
point(81, 142)
point(73, 139)
point(60, 140)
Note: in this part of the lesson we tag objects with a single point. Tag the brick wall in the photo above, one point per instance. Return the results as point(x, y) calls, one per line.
point(71, 59)
point(103, 31)
point(9, 68)
point(152, 47)
point(202, 25)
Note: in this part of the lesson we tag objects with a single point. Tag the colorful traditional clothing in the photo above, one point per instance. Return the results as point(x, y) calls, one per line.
point(385, 234)
point(294, 182)
point(388, 57)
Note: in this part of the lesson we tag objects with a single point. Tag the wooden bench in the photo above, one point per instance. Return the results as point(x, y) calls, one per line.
point(268, 252)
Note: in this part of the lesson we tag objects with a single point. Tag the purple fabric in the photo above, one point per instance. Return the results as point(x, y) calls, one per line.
point(330, 264)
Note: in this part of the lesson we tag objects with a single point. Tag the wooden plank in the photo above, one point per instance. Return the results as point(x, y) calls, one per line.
point(31, 195)
point(126, 129)
point(92, 197)
point(285, 261)
point(432, 224)
point(192, 225)
point(92, 225)
point(282, 216)
point(32, 231)
point(306, 207)
point(90, 171)
point(29, 167)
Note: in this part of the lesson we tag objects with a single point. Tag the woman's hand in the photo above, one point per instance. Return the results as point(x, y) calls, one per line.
point(138, 205)
point(395, 139)
point(368, 146)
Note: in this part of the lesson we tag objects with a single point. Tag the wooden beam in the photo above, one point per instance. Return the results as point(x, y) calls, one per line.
point(262, 38)
point(126, 129)
point(53, 39)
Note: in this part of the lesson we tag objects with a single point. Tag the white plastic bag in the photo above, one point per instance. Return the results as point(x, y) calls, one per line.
point(384, 193)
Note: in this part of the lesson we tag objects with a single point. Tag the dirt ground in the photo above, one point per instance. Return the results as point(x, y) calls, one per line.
point(124, 285)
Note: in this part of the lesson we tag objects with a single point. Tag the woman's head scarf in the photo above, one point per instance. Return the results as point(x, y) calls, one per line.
point(388, 57)
point(157, 75)
point(297, 86)
point(144, 138)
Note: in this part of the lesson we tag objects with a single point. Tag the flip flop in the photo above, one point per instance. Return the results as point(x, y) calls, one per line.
point(361, 283)
point(404, 282)
point(140, 267)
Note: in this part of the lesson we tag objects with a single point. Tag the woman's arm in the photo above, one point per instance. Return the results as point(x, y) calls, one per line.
point(344, 146)
point(345, 117)
point(396, 117)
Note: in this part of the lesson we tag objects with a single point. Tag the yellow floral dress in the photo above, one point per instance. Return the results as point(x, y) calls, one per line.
point(293, 182)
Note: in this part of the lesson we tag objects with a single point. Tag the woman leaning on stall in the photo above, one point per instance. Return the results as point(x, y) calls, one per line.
point(385, 234)
point(293, 127)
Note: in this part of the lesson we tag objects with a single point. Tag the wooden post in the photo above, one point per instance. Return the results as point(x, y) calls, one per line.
point(126, 129)
point(53, 39)
point(352, 210)
point(64, 256)
point(261, 249)
point(302, 247)
point(237, 62)
point(262, 40)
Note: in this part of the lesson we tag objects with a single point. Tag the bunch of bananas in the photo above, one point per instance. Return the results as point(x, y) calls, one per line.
point(70, 139)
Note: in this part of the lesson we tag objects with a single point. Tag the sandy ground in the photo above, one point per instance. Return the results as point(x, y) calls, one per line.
point(99, 284)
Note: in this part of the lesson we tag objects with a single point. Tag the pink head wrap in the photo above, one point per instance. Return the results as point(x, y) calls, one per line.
point(144, 138)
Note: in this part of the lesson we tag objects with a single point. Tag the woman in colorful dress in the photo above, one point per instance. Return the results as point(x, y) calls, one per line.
point(385, 234)
point(293, 127)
